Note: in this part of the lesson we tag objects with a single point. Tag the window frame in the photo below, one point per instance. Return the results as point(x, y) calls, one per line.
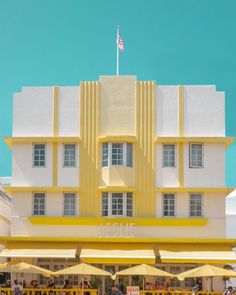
point(33, 155)
point(124, 155)
point(189, 206)
point(45, 203)
point(76, 204)
point(63, 155)
point(190, 155)
point(175, 205)
point(175, 155)
point(124, 204)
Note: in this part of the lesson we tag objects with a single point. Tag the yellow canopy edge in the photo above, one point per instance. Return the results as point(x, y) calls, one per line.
point(40, 253)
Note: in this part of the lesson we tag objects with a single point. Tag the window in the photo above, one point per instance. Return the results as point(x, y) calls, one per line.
point(117, 154)
point(59, 280)
point(117, 204)
point(39, 204)
point(43, 281)
point(195, 205)
point(189, 282)
point(69, 204)
point(168, 205)
point(196, 155)
point(174, 282)
point(69, 155)
point(169, 155)
point(161, 280)
point(39, 155)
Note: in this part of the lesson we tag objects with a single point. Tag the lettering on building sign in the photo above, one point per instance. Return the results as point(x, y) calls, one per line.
point(117, 230)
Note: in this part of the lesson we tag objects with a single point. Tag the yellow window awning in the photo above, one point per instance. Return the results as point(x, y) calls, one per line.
point(197, 256)
point(40, 253)
point(118, 256)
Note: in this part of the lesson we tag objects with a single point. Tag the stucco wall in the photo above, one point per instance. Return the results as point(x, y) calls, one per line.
point(117, 105)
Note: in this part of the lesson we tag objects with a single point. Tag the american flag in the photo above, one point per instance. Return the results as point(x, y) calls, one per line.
point(121, 44)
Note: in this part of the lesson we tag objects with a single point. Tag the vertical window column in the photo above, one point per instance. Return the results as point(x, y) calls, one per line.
point(169, 205)
point(39, 155)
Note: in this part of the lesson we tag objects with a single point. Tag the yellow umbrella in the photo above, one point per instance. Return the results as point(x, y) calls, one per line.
point(206, 271)
point(23, 267)
point(143, 270)
point(82, 269)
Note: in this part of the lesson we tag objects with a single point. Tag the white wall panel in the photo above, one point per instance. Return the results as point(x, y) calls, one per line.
point(167, 111)
point(69, 111)
point(33, 112)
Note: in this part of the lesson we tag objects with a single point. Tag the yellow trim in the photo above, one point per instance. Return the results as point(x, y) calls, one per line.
point(5, 219)
point(12, 189)
point(145, 152)
point(118, 138)
point(225, 190)
point(89, 161)
point(116, 189)
point(118, 260)
point(196, 260)
point(181, 164)
point(226, 140)
point(49, 139)
point(181, 109)
point(24, 239)
point(52, 220)
point(55, 110)
point(54, 164)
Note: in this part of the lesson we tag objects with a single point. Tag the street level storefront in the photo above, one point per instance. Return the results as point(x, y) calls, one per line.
point(115, 254)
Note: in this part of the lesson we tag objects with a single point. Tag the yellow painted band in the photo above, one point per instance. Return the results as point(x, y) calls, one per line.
point(181, 109)
point(49, 139)
point(51, 220)
point(114, 138)
point(114, 260)
point(192, 260)
point(181, 164)
point(226, 140)
point(116, 189)
point(225, 190)
point(219, 242)
point(55, 110)
point(55, 164)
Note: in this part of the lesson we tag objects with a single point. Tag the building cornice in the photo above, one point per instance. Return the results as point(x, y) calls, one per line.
point(42, 139)
point(185, 139)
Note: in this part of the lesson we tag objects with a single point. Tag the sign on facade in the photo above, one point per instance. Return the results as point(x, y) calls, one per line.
point(117, 230)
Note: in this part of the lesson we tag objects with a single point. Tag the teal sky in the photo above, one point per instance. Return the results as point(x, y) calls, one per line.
point(61, 42)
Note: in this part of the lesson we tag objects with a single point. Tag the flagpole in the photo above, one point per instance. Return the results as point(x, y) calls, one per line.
point(117, 51)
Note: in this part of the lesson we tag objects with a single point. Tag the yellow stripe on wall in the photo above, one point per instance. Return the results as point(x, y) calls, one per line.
point(181, 133)
point(89, 149)
point(145, 149)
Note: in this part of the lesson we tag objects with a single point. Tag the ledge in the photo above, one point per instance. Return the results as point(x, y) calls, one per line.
point(225, 190)
point(10, 189)
point(116, 189)
point(117, 138)
point(47, 139)
point(226, 140)
point(60, 220)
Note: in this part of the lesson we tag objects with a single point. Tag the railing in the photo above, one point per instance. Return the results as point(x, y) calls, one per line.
point(77, 291)
point(177, 292)
point(44, 291)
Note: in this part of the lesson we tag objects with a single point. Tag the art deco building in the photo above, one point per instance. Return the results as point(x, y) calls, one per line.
point(119, 172)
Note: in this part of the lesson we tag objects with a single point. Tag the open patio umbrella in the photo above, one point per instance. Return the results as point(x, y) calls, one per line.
point(84, 270)
point(16, 265)
point(143, 270)
point(207, 270)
